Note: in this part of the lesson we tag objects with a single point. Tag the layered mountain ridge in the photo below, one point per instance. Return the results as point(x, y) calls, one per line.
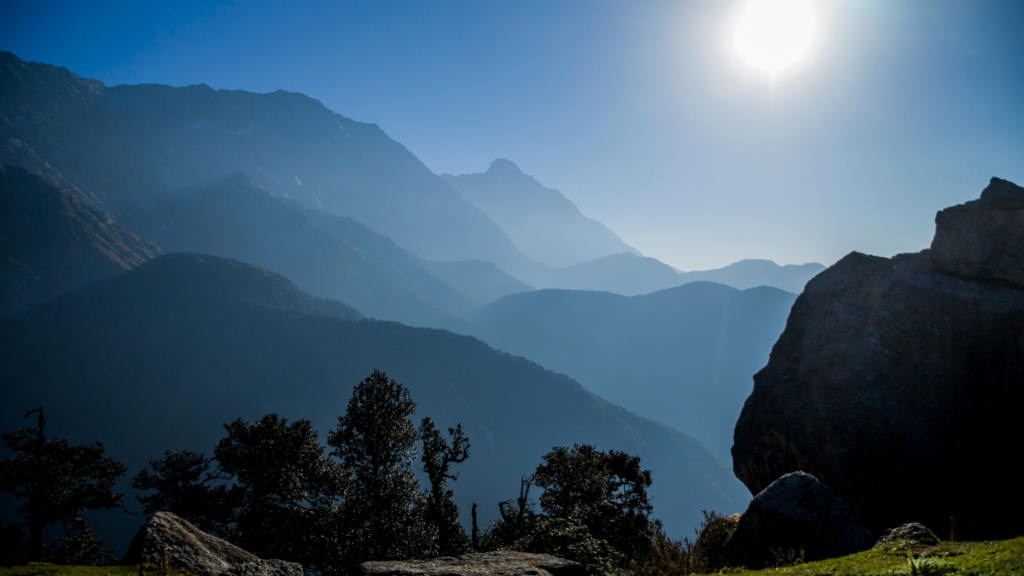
point(159, 357)
point(682, 356)
point(127, 148)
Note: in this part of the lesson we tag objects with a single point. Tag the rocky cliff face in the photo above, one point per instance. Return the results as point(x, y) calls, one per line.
point(899, 382)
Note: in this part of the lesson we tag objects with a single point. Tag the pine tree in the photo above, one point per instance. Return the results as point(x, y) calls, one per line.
point(442, 513)
point(375, 441)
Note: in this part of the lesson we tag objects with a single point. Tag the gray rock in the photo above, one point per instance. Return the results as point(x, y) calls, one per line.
point(899, 387)
point(983, 239)
point(197, 552)
point(796, 512)
point(913, 532)
point(1003, 195)
point(505, 563)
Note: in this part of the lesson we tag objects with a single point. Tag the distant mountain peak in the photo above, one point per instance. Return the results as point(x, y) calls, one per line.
point(542, 223)
point(503, 167)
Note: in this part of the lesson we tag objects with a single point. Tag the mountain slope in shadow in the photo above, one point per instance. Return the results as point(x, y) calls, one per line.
point(542, 223)
point(52, 242)
point(238, 219)
point(159, 357)
point(685, 356)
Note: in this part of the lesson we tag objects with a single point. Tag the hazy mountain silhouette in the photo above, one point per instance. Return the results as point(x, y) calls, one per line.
point(542, 223)
point(751, 273)
point(632, 275)
point(685, 356)
point(626, 274)
point(481, 281)
point(52, 242)
point(159, 357)
point(387, 251)
point(238, 219)
point(126, 148)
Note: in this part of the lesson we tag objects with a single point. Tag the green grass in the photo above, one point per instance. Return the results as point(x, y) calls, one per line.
point(43, 569)
point(1001, 558)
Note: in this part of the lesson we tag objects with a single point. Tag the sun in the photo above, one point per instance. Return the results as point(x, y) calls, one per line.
point(773, 35)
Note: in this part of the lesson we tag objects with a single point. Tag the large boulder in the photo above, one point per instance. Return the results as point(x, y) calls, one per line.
point(505, 563)
point(901, 388)
point(914, 533)
point(983, 239)
point(795, 513)
point(195, 551)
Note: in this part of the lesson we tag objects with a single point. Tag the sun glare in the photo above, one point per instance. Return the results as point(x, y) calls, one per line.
point(773, 35)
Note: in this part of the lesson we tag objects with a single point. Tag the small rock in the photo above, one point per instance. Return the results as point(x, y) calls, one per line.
point(505, 563)
point(195, 551)
point(799, 514)
point(913, 532)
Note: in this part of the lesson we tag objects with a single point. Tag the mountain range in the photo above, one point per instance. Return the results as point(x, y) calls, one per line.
point(682, 356)
point(159, 357)
point(291, 235)
point(132, 150)
point(142, 152)
point(237, 218)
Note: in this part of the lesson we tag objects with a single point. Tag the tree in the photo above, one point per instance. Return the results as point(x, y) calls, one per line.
point(518, 519)
point(57, 481)
point(185, 486)
point(442, 513)
point(605, 491)
point(375, 441)
point(288, 492)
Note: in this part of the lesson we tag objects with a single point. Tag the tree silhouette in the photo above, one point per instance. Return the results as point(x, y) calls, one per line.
point(375, 441)
point(288, 492)
point(57, 481)
point(185, 486)
point(604, 491)
point(442, 513)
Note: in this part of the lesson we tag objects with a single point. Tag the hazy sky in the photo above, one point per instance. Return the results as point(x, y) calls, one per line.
point(637, 111)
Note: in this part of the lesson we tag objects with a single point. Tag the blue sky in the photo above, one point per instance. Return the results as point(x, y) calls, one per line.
point(638, 111)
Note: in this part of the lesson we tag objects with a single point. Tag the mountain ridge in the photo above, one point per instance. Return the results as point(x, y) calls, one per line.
point(207, 355)
point(237, 218)
point(542, 223)
point(124, 147)
point(52, 242)
point(684, 356)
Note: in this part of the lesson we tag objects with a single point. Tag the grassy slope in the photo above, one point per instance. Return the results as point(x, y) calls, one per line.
point(970, 558)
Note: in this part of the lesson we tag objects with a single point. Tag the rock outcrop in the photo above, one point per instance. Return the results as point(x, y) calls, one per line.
point(504, 563)
point(795, 513)
point(983, 239)
point(901, 387)
point(195, 551)
point(914, 532)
